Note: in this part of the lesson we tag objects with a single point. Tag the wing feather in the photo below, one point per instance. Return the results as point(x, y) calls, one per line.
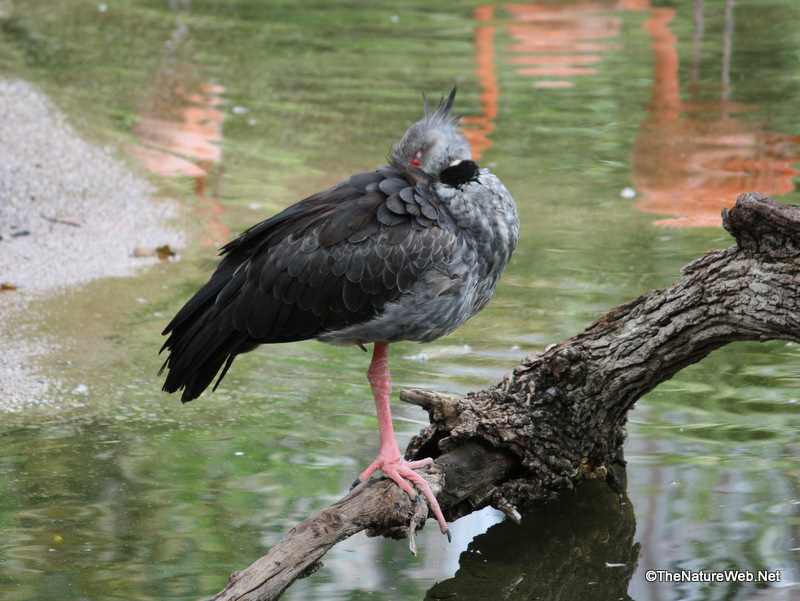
point(261, 316)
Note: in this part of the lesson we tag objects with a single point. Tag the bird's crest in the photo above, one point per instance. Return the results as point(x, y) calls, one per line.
point(442, 112)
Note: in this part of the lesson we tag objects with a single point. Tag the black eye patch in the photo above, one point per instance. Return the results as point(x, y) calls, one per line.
point(457, 175)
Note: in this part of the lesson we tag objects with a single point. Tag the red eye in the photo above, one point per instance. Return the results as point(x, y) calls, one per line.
point(416, 159)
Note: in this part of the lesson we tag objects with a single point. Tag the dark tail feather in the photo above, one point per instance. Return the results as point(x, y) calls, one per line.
point(196, 354)
point(202, 340)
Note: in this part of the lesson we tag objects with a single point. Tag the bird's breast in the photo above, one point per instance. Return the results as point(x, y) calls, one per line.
point(484, 216)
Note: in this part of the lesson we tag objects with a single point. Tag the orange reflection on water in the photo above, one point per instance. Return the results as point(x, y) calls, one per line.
point(552, 44)
point(180, 128)
point(478, 128)
point(554, 40)
point(692, 158)
point(179, 139)
point(696, 167)
point(193, 132)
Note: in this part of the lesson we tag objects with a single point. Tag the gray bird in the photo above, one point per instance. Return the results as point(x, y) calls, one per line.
point(407, 252)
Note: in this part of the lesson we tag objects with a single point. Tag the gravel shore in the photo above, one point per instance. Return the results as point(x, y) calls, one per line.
point(69, 213)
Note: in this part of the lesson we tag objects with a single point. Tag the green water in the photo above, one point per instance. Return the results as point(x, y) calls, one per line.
point(118, 492)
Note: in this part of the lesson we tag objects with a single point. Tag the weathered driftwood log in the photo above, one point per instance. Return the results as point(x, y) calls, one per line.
point(558, 418)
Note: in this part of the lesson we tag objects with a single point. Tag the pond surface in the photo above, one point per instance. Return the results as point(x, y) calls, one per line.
point(621, 129)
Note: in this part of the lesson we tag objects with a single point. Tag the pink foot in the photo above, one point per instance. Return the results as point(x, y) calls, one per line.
point(389, 459)
point(401, 471)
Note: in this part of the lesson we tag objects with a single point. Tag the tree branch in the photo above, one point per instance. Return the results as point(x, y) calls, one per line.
point(558, 418)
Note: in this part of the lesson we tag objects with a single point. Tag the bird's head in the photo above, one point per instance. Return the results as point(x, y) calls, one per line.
point(432, 143)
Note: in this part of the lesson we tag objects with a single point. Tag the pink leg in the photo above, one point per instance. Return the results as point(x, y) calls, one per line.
point(389, 459)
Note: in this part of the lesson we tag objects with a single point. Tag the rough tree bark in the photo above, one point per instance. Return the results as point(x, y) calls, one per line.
point(558, 418)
